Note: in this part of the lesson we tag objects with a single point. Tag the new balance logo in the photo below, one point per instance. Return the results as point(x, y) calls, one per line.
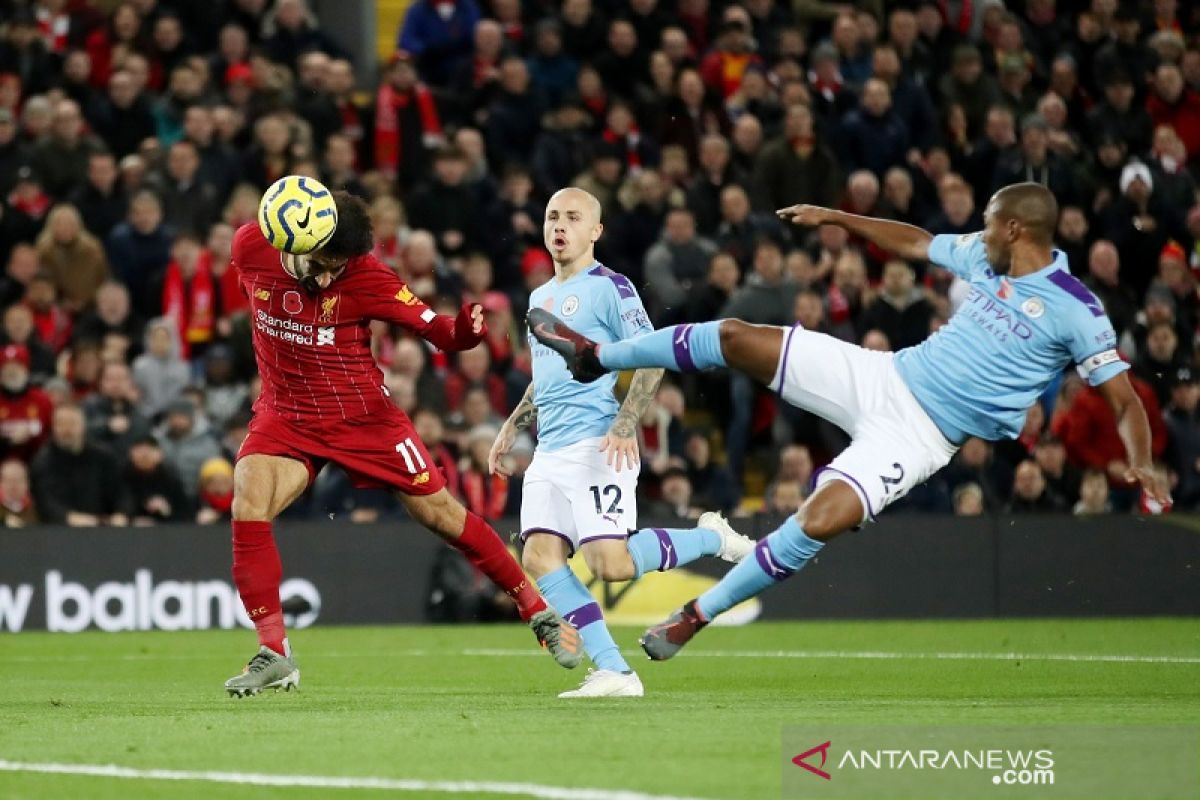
point(262, 294)
point(324, 337)
point(421, 479)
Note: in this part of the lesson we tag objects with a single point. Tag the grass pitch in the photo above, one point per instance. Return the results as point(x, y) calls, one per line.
point(478, 703)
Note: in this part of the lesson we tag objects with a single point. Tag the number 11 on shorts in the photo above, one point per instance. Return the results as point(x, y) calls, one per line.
point(412, 456)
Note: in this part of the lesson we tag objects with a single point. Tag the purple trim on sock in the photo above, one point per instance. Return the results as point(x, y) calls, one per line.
point(766, 562)
point(683, 354)
point(862, 492)
point(668, 558)
point(787, 345)
point(570, 545)
point(584, 615)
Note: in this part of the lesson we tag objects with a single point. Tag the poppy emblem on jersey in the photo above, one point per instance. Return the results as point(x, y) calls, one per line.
point(327, 306)
point(262, 294)
point(1033, 307)
point(407, 297)
point(1005, 289)
point(570, 306)
point(292, 303)
point(548, 304)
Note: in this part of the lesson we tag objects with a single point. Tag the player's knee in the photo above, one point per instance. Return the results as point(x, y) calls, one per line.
point(609, 566)
point(542, 555)
point(250, 507)
point(733, 334)
point(822, 519)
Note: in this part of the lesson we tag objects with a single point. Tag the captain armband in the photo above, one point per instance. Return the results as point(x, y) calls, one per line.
point(1093, 363)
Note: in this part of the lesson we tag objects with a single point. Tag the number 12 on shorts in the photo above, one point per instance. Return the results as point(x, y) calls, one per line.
point(411, 455)
point(613, 491)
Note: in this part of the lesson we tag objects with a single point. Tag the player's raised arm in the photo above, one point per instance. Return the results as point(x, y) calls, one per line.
point(907, 241)
point(522, 417)
point(1134, 427)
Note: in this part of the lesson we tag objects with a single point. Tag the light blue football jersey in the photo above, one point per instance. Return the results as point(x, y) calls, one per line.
point(982, 370)
point(604, 306)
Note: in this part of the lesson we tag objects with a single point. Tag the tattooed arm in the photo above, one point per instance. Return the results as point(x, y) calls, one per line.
point(522, 417)
point(621, 442)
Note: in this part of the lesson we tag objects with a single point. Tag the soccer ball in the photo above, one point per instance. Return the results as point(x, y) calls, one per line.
point(297, 214)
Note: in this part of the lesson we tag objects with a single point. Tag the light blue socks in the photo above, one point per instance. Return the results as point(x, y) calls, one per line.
point(563, 590)
point(682, 348)
point(775, 558)
point(666, 548)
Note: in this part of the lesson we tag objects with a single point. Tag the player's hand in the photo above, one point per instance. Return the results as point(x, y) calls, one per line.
point(621, 450)
point(500, 448)
point(477, 319)
point(1145, 477)
point(804, 214)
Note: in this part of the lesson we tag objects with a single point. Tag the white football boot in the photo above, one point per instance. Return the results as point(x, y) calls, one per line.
point(734, 546)
point(607, 683)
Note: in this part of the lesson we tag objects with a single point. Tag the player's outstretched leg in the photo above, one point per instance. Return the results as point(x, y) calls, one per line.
point(834, 508)
point(666, 548)
point(754, 349)
point(482, 546)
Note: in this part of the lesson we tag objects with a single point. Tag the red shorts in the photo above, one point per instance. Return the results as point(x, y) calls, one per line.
point(378, 451)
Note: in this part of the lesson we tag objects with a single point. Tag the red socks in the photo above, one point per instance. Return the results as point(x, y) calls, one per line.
point(485, 550)
point(257, 572)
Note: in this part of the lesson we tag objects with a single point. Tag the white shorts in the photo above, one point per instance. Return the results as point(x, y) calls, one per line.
point(894, 444)
point(573, 493)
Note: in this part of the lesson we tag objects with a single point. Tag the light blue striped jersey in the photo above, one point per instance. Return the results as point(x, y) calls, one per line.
point(981, 371)
point(604, 306)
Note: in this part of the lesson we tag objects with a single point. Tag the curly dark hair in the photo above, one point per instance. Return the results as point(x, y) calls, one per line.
point(353, 236)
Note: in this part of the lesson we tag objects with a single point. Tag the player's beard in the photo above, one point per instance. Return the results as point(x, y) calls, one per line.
point(298, 268)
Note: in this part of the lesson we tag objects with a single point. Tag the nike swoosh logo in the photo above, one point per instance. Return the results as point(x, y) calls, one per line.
point(307, 214)
point(549, 334)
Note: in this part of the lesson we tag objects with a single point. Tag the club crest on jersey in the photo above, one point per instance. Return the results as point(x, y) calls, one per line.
point(407, 297)
point(327, 306)
point(292, 303)
point(262, 294)
point(1033, 307)
point(570, 306)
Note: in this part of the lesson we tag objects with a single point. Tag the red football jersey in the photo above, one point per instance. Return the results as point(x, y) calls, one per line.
point(313, 351)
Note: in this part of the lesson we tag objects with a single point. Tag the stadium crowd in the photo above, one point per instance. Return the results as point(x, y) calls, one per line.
point(136, 137)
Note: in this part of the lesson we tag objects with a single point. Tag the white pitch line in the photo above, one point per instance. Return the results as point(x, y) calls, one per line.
point(872, 655)
point(496, 652)
point(334, 782)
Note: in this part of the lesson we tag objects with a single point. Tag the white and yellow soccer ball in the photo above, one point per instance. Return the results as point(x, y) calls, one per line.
point(297, 214)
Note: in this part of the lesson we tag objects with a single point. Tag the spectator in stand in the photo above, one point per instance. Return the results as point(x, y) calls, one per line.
point(24, 408)
point(483, 493)
point(1159, 361)
point(1034, 162)
point(75, 482)
point(474, 371)
point(313, 102)
point(1029, 491)
point(713, 176)
point(25, 207)
point(974, 464)
point(124, 118)
point(967, 85)
point(692, 114)
point(113, 418)
point(293, 30)
point(186, 445)
point(431, 428)
point(1139, 224)
point(155, 491)
point(765, 298)
point(1104, 269)
point(1062, 478)
point(189, 295)
point(514, 115)
point(1093, 494)
point(139, 250)
point(19, 329)
point(216, 492)
point(733, 52)
point(406, 124)
point(189, 204)
point(675, 500)
point(674, 264)
point(968, 500)
point(111, 318)
point(959, 213)
point(13, 152)
point(796, 167)
point(16, 501)
point(783, 499)
point(1089, 431)
point(439, 34)
point(900, 310)
point(51, 323)
point(552, 70)
point(159, 372)
point(706, 300)
point(1117, 114)
point(740, 229)
point(61, 159)
point(338, 171)
point(874, 136)
point(21, 266)
point(1172, 102)
point(444, 205)
point(1169, 163)
point(102, 202)
point(1183, 426)
point(73, 258)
